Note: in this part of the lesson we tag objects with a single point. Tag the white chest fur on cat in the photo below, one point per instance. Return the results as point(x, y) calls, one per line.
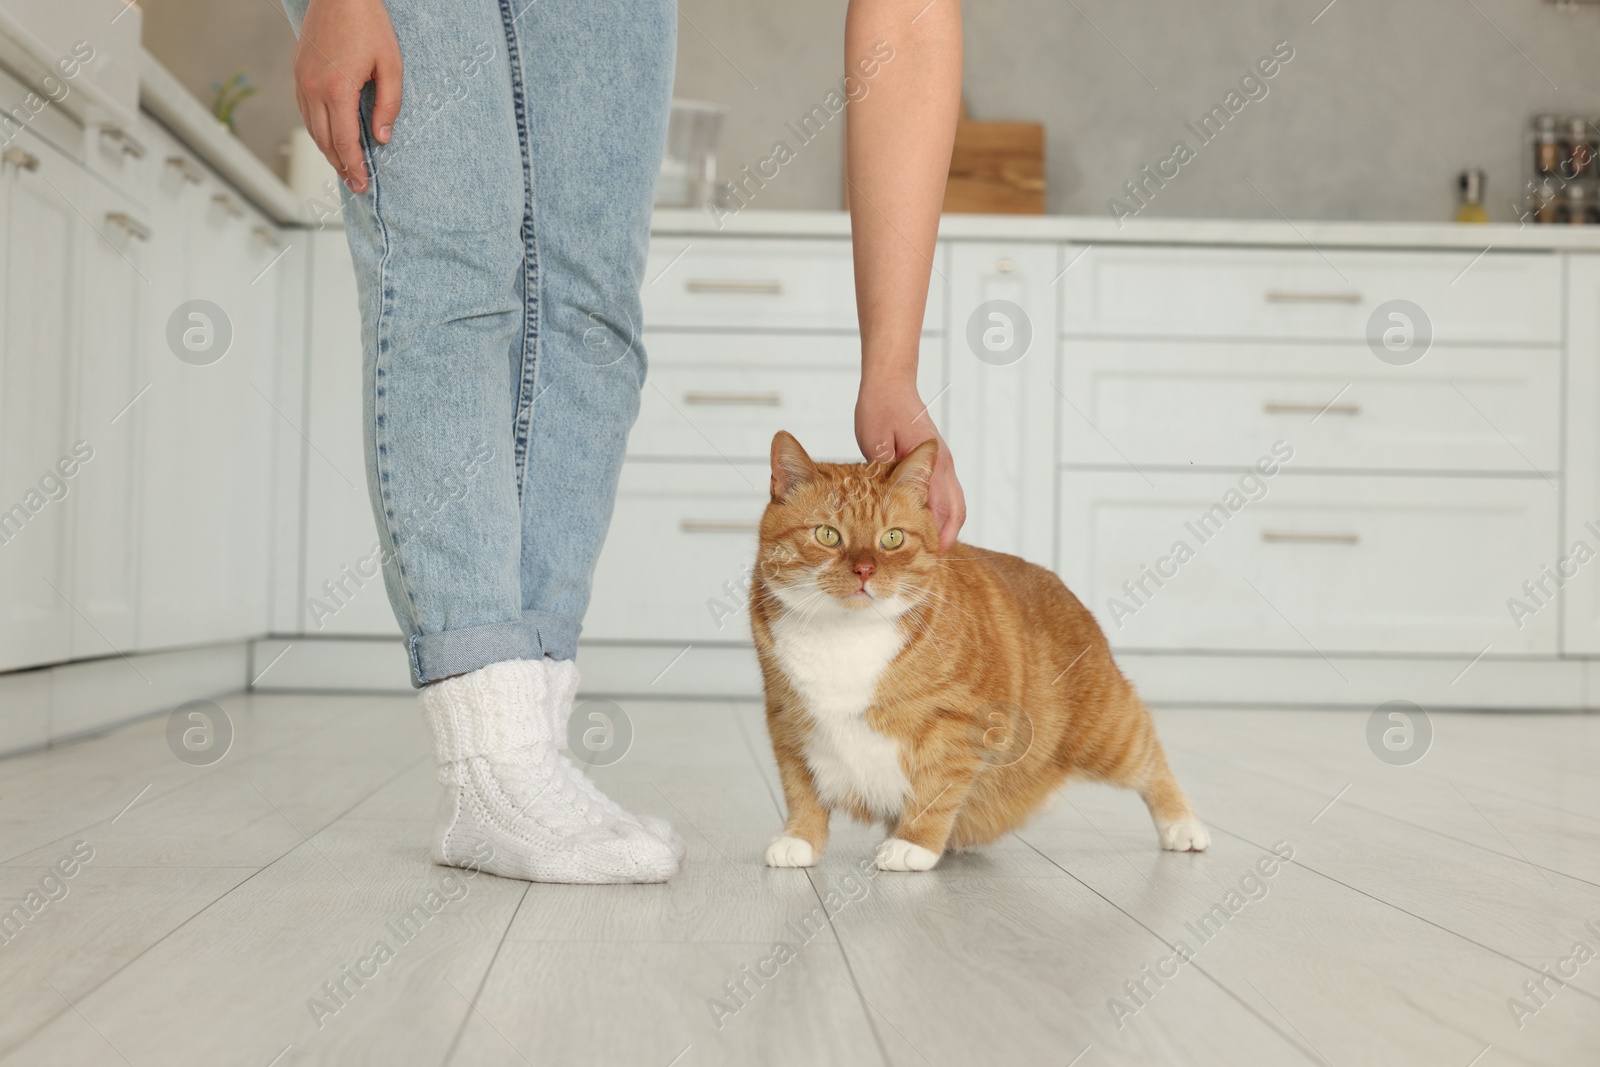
point(833, 657)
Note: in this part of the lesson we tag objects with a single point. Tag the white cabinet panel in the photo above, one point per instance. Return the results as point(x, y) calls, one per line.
point(209, 414)
point(722, 396)
point(114, 283)
point(1502, 298)
point(340, 531)
point(1581, 592)
point(678, 559)
point(39, 232)
point(1002, 397)
point(1312, 564)
point(756, 284)
point(1213, 403)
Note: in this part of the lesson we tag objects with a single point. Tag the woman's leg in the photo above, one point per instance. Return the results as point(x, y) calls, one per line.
point(600, 72)
point(440, 243)
point(598, 76)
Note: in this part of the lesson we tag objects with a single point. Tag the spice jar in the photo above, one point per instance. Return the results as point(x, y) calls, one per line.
point(1576, 208)
point(1580, 149)
point(1546, 145)
point(1544, 202)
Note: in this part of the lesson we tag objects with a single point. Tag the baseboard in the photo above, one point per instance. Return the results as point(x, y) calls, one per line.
point(47, 705)
point(1509, 684)
point(616, 669)
point(629, 669)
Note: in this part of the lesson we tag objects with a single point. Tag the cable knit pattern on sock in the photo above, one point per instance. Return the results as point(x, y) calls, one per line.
point(515, 806)
point(563, 692)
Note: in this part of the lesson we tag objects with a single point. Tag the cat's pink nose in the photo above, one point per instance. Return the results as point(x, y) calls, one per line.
point(864, 570)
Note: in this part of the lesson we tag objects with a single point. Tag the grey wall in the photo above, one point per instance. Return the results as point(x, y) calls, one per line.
point(1384, 102)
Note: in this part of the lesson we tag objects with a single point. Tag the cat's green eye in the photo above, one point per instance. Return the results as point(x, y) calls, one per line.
point(892, 538)
point(827, 535)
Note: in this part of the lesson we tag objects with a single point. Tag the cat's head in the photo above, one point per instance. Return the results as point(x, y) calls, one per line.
point(856, 536)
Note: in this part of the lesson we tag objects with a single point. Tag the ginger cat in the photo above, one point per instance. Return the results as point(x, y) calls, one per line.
point(944, 696)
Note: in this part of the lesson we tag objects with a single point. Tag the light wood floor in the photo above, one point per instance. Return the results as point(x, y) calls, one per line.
point(220, 900)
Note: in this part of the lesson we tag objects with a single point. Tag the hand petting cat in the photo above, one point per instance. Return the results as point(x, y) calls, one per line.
point(891, 420)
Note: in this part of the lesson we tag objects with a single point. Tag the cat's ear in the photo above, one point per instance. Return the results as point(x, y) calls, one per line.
point(915, 471)
point(791, 467)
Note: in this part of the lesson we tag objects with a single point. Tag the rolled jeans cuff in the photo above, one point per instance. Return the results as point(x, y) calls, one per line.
point(452, 652)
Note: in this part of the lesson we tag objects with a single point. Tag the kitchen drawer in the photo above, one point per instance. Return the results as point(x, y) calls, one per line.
point(757, 284)
point(1319, 564)
point(677, 560)
point(1214, 404)
point(1503, 298)
point(722, 396)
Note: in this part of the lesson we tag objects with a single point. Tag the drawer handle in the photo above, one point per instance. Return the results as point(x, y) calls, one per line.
point(718, 526)
point(228, 206)
point(765, 400)
point(188, 169)
point(1285, 537)
point(132, 226)
point(18, 157)
point(1275, 407)
point(127, 142)
point(767, 288)
point(1285, 296)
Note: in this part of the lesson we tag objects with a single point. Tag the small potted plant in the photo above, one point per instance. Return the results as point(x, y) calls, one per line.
point(230, 94)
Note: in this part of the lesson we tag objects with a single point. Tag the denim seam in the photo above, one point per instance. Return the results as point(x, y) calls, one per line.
point(380, 346)
point(530, 259)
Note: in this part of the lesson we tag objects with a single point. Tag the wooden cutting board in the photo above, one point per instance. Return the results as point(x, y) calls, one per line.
point(996, 168)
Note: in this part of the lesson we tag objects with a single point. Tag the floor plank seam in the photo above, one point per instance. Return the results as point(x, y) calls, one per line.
point(1400, 821)
point(472, 1005)
point(1223, 987)
point(207, 907)
point(1404, 911)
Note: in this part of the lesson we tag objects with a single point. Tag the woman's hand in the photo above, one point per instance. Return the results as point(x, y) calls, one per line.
point(891, 420)
point(343, 45)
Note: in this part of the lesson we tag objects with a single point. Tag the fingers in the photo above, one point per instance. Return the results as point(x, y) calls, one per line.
point(386, 95)
point(949, 507)
point(316, 117)
point(344, 131)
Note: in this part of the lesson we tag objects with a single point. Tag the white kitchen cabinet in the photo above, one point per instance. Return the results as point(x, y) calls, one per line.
point(1213, 403)
point(1579, 579)
point(209, 417)
point(1498, 298)
point(1309, 564)
point(677, 564)
point(39, 232)
point(1002, 396)
point(721, 396)
point(340, 530)
point(757, 284)
point(115, 273)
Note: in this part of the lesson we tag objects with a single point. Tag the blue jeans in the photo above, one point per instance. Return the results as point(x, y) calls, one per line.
point(499, 251)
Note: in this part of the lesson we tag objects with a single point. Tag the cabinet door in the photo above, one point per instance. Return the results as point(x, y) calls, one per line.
point(209, 340)
point(1002, 398)
point(40, 228)
point(174, 502)
point(104, 503)
point(1581, 593)
point(340, 531)
point(251, 251)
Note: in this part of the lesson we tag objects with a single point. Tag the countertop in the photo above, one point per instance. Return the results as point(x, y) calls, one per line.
point(1080, 229)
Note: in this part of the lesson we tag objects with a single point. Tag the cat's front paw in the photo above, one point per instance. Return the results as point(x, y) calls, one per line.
point(896, 854)
point(786, 851)
point(1185, 835)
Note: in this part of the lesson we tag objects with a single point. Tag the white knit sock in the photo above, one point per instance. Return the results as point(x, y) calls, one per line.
point(513, 804)
point(563, 691)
